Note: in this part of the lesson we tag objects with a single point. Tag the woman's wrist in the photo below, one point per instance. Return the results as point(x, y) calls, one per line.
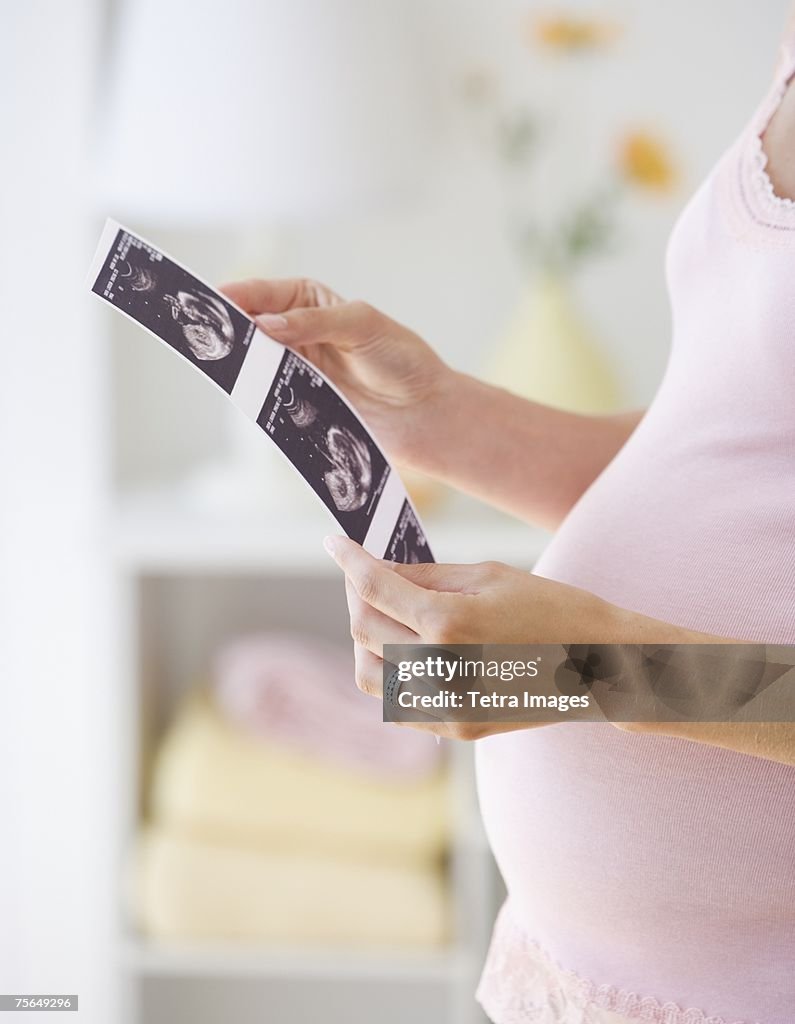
point(435, 436)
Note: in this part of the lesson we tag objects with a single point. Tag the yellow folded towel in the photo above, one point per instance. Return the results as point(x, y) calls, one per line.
point(214, 781)
point(188, 890)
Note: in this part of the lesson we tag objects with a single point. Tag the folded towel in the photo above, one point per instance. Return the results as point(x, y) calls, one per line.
point(214, 781)
point(187, 890)
point(301, 691)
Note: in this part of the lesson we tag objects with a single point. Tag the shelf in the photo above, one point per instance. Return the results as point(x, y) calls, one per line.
point(158, 959)
point(159, 533)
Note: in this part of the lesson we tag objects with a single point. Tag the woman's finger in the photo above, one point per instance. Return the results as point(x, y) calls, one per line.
point(278, 294)
point(346, 325)
point(369, 671)
point(372, 629)
point(378, 586)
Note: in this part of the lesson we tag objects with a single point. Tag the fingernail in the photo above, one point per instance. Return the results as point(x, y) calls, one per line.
point(329, 543)
point(272, 321)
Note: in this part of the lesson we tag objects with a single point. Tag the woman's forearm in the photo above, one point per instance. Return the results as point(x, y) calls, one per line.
point(774, 741)
point(498, 604)
point(528, 459)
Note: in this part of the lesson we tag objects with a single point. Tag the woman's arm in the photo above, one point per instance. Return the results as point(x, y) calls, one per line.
point(491, 603)
point(774, 741)
point(527, 459)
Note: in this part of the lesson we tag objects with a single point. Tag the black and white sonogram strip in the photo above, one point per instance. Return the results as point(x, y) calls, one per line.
point(301, 411)
point(323, 438)
point(408, 543)
point(175, 306)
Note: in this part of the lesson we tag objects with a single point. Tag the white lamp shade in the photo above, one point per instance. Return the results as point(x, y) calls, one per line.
point(273, 110)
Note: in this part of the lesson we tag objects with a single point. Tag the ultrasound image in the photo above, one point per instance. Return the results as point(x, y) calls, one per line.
point(407, 543)
point(326, 443)
point(176, 307)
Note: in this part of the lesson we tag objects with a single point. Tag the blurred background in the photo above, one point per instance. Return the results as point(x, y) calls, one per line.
point(202, 820)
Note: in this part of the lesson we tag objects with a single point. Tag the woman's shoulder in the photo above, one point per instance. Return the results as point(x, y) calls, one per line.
point(786, 50)
point(778, 134)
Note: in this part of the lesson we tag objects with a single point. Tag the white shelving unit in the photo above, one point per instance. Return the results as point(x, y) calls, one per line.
point(187, 580)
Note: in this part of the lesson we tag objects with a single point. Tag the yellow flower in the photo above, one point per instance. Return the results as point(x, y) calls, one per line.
point(570, 32)
point(645, 161)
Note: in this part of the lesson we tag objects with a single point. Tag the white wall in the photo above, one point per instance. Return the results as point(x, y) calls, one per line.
point(54, 687)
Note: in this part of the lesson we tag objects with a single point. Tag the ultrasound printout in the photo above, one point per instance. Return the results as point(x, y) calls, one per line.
point(176, 307)
point(295, 405)
point(321, 436)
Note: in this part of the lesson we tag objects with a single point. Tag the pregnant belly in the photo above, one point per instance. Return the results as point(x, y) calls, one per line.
point(639, 860)
point(653, 864)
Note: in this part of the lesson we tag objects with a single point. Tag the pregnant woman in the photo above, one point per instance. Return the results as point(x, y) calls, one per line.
point(650, 868)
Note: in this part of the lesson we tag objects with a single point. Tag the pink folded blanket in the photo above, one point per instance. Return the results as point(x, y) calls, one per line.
point(301, 692)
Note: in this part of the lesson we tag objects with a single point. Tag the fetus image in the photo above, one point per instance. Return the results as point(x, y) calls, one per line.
point(205, 322)
point(349, 476)
point(176, 307)
point(350, 480)
point(326, 443)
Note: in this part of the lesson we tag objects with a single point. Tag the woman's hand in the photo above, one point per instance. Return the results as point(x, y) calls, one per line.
point(487, 603)
point(445, 424)
point(491, 603)
point(388, 373)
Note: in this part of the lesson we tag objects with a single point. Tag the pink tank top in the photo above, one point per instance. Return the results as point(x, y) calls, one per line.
point(651, 878)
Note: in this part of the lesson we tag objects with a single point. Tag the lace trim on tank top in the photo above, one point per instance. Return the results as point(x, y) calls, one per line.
point(763, 186)
point(764, 192)
point(521, 984)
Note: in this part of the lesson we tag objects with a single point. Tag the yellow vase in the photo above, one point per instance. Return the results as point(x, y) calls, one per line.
point(549, 355)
